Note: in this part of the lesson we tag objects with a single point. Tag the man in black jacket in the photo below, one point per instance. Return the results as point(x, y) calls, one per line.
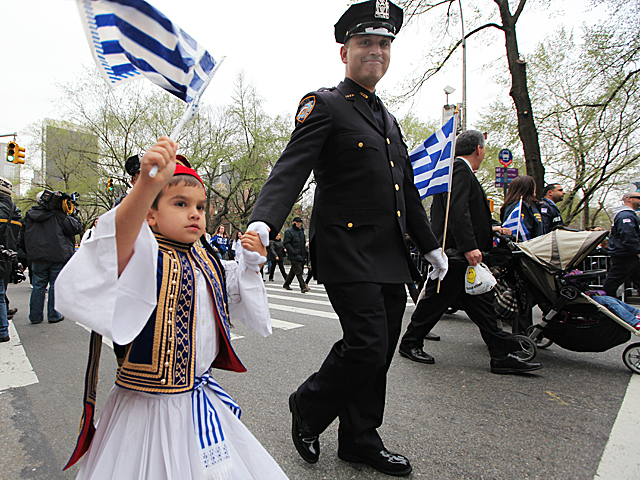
point(365, 200)
point(469, 234)
point(10, 223)
point(551, 216)
point(48, 238)
point(295, 244)
point(624, 245)
point(276, 256)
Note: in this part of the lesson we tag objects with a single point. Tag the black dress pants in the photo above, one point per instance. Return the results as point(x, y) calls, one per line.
point(479, 308)
point(621, 270)
point(351, 383)
point(280, 264)
point(295, 271)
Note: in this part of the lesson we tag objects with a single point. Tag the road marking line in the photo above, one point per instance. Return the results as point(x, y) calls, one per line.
point(15, 368)
point(105, 340)
point(620, 458)
point(304, 311)
point(281, 324)
point(303, 300)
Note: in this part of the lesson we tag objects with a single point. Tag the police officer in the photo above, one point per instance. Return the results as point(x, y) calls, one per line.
point(551, 217)
point(365, 201)
point(132, 167)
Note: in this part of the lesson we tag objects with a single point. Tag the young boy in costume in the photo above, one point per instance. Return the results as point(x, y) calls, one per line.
point(142, 280)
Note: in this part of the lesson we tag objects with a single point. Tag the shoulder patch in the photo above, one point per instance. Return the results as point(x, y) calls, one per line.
point(305, 108)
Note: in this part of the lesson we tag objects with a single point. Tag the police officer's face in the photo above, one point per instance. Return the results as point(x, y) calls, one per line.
point(366, 58)
point(557, 195)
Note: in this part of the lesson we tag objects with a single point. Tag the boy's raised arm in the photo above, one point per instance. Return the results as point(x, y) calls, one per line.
point(134, 208)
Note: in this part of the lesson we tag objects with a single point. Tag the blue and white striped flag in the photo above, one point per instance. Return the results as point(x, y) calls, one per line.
point(432, 161)
point(130, 38)
point(514, 223)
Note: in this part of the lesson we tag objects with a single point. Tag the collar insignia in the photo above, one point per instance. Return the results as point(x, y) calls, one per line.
point(350, 95)
point(364, 95)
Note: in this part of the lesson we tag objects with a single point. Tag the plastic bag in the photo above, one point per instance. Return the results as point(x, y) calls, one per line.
point(478, 280)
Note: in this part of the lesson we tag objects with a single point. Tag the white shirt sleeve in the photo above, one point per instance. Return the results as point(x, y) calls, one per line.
point(247, 296)
point(89, 291)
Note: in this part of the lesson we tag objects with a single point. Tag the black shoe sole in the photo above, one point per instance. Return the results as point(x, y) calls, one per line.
point(348, 457)
point(293, 408)
point(56, 321)
point(4, 339)
point(508, 371)
point(414, 359)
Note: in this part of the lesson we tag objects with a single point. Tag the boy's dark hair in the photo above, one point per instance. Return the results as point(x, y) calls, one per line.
point(187, 180)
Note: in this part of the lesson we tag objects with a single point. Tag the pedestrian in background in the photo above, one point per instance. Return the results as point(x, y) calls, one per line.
point(10, 224)
point(551, 216)
point(276, 252)
point(624, 245)
point(220, 243)
point(234, 245)
point(132, 167)
point(524, 187)
point(48, 237)
point(294, 243)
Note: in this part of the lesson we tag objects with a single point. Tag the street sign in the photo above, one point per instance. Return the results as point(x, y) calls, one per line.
point(505, 157)
point(511, 174)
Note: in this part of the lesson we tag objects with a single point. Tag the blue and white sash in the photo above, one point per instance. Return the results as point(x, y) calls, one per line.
point(214, 451)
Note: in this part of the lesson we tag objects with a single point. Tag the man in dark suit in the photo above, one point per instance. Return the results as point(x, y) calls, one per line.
point(469, 234)
point(364, 202)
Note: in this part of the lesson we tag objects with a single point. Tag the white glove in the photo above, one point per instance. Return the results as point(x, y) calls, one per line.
point(250, 259)
point(440, 263)
point(262, 230)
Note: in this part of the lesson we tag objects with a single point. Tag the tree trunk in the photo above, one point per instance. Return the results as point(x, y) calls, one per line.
point(520, 94)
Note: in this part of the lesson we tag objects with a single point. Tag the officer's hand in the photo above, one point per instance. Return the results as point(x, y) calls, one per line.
point(440, 263)
point(474, 257)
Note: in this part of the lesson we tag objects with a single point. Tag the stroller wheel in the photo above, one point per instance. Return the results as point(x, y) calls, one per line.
point(631, 357)
point(529, 348)
point(541, 341)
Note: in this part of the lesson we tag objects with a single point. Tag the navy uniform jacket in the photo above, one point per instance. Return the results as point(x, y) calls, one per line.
point(365, 198)
point(624, 239)
point(551, 217)
point(470, 226)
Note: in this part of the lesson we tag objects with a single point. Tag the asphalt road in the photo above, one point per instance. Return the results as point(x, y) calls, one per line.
point(454, 419)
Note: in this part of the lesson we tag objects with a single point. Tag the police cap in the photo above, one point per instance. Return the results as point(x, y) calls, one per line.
point(375, 17)
point(132, 165)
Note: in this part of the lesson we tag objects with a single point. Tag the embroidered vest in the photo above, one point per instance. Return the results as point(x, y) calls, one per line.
point(162, 357)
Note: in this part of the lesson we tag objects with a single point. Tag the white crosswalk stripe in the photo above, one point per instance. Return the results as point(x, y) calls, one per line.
point(15, 368)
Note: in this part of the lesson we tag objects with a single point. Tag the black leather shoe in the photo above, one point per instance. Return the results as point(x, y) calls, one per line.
point(4, 339)
point(416, 354)
point(513, 364)
point(286, 287)
point(305, 441)
point(384, 461)
point(59, 319)
point(431, 336)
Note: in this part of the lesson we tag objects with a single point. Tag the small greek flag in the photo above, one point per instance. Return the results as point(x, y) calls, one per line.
point(514, 223)
point(130, 38)
point(432, 161)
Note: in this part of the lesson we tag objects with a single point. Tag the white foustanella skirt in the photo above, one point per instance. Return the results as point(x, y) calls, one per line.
point(151, 437)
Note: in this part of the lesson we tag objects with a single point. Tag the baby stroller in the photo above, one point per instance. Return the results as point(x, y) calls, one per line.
point(570, 318)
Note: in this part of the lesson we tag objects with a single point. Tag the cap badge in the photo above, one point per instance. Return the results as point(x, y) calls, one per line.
point(382, 9)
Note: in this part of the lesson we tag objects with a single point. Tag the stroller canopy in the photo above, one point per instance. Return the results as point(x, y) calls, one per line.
point(562, 249)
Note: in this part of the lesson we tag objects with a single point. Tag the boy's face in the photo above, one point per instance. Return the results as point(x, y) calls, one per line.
point(180, 214)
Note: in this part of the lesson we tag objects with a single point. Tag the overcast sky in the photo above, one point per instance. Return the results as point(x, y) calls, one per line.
point(286, 48)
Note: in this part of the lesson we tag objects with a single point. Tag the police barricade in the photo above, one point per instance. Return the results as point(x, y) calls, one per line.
point(598, 261)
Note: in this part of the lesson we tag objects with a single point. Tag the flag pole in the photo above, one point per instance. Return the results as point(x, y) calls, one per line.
point(446, 216)
point(190, 112)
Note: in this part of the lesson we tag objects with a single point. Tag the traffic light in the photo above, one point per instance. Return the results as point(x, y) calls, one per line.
point(19, 154)
point(110, 184)
point(11, 151)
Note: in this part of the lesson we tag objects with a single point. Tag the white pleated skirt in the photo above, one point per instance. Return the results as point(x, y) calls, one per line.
point(151, 437)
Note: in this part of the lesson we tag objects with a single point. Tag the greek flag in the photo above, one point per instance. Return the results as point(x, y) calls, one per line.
point(514, 223)
point(130, 38)
point(432, 161)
